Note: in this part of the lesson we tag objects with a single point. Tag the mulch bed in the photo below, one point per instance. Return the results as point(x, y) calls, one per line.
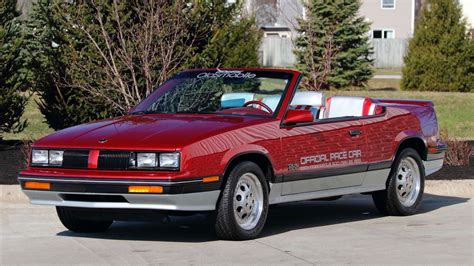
point(454, 172)
point(11, 161)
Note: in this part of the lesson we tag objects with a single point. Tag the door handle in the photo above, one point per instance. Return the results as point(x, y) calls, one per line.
point(355, 132)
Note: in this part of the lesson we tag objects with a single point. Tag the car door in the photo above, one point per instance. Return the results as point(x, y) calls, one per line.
point(327, 154)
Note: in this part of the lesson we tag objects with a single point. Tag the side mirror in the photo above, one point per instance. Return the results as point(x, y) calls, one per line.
point(297, 116)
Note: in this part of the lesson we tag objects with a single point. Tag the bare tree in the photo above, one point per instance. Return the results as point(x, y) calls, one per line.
point(133, 57)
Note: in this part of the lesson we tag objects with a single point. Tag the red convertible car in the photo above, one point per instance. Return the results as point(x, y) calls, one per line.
point(235, 141)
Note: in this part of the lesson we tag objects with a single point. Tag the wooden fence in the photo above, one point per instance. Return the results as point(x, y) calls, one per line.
point(278, 52)
point(389, 53)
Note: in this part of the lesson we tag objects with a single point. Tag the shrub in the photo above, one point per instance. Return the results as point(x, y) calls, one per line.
point(12, 74)
point(49, 43)
point(12, 106)
point(459, 152)
point(26, 153)
point(440, 55)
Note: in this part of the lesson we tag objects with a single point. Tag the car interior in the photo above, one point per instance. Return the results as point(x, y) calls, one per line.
point(314, 101)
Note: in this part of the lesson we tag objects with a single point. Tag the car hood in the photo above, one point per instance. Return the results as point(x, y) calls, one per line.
point(145, 132)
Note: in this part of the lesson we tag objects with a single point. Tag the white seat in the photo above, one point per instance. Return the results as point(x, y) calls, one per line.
point(236, 99)
point(309, 98)
point(339, 106)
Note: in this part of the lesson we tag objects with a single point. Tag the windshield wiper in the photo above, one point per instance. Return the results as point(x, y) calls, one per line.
point(190, 112)
point(142, 112)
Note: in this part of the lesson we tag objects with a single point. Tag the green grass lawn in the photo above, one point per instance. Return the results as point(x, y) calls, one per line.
point(455, 111)
point(37, 127)
point(388, 71)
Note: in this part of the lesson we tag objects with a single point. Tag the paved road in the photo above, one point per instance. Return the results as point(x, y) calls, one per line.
point(314, 232)
point(387, 77)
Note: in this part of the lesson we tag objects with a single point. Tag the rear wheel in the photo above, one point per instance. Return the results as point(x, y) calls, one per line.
point(78, 223)
point(405, 186)
point(243, 207)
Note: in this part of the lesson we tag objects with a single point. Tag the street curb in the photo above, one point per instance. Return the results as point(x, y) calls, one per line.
point(12, 193)
point(459, 188)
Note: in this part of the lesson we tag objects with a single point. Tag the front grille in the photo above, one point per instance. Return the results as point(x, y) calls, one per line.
point(113, 160)
point(75, 158)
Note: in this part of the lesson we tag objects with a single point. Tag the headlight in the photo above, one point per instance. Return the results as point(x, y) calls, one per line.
point(169, 160)
point(146, 160)
point(39, 157)
point(47, 157)
point(56, 157)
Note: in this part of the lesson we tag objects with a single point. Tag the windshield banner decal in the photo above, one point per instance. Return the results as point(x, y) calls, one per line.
point(239, 74)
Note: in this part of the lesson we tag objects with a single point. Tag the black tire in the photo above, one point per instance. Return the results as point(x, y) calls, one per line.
point(387, 201)
point(74, 222)
point(226, 226)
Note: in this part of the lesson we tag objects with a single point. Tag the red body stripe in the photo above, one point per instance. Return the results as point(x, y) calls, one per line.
point(366, 106)
point(328, 104)
point(93, 158)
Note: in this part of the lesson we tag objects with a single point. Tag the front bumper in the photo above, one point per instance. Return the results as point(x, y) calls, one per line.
point(189, 195)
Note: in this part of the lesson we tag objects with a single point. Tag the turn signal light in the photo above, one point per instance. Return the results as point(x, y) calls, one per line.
point(37, 185)
point(210, 179)
point(145, 189)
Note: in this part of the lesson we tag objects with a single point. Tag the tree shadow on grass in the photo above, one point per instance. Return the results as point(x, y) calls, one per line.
point(281, 219)
point(384, 89)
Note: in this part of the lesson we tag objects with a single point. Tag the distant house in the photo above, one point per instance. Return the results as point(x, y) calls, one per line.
point(390, 19)
point(468, 12)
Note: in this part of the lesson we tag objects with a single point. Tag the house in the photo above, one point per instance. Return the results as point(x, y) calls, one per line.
point(390, 19)
point(468, 12)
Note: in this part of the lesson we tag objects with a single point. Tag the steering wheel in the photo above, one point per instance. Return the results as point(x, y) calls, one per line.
point(268, 109)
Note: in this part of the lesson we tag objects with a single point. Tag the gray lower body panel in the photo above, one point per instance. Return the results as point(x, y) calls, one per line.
point(199, 201)
point(433, 166)
point(325, 187)
point(206, 201)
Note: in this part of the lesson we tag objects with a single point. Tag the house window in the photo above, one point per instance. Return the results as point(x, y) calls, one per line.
point(383, 34)
point(388, 4)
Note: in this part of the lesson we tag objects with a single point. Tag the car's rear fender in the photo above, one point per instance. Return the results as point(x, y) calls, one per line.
point(432, 156)
point(410, 139)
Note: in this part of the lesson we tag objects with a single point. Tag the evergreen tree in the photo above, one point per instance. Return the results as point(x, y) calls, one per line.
point(440, 55)
point(50, 42)
point(12, 75)
point(224, 38)
point(332, 48)
point(103, 57)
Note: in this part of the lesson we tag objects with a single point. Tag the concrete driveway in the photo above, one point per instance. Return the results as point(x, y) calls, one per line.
point(315, 232)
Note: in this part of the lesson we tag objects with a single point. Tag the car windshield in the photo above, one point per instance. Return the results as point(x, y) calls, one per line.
point(235, 92)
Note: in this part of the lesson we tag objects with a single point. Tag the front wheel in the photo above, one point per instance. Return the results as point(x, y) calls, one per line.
point(405, 186)
point(243, 207)
point(78, 223)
